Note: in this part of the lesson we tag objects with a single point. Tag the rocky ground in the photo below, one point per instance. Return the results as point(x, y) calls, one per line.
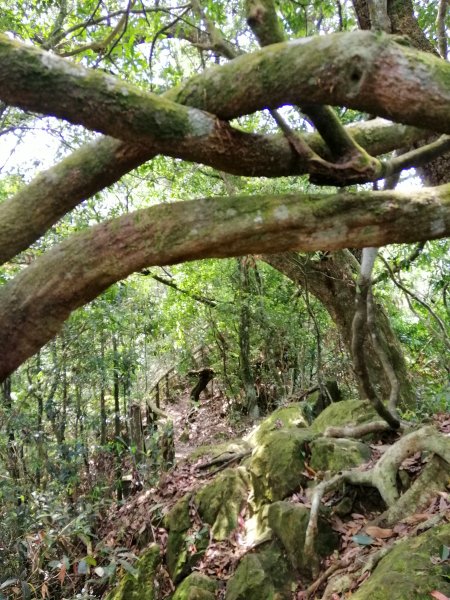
point(235, 519)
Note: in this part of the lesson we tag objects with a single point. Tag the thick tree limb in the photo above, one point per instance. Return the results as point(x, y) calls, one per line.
point(263, 21)
point(97, 165)
point(36, 303)
point(361, 70)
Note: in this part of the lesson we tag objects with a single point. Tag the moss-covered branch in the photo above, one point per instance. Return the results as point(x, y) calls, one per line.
point(265, 24)
point(27, 215)
point(36, 303)
point(361, 70)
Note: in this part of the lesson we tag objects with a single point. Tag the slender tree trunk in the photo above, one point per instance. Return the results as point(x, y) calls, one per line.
point(117, 429)
point(244, 340)
point(13, 466)
point(102, 393)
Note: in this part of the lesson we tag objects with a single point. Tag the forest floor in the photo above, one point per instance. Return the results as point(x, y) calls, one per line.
point(140, 519)
point(132, 525)
point(204, 423)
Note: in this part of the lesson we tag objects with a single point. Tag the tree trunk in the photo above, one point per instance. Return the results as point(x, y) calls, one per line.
point(117, 430)
point(102, 392)
point(13, 461)
point(331, 281)
point(244, 341)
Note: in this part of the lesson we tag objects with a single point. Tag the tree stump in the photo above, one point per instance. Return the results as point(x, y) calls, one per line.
point(204, 376)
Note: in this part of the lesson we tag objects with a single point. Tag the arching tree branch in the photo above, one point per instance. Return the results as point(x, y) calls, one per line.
point(34, 305)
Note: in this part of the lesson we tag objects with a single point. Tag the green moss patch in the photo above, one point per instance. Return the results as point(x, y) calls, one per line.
point(346, 412)
point(220, 502)
point(286, 416)
point(196, 587)
point(277, 465)
point(412, 570)
point(289, 523)
point(337, 454)
point(141, 587)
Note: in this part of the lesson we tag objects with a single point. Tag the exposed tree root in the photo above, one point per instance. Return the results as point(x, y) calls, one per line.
point(337, 566)
point(383, 477)
point(430, 482)
point(357, 431)
point(346, 581)
point(225, 459)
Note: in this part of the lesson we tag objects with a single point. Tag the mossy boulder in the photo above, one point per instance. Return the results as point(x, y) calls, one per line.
point(346, 412)
point(277, 465)
point(289, 523)
point(264, 575)
point(141, 587)
point(179, 558)
point(220, 502)
point(411, 570)
point(337, 454)
point(286, 416)
point(196, 586)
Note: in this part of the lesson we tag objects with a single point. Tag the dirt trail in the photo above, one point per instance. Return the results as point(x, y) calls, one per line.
point(200, 425)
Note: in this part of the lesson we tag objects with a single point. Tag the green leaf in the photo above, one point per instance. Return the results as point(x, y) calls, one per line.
point(445, 552)
point(128, 567)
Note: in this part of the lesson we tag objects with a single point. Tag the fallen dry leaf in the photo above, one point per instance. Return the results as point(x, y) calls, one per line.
point(417, 518)
point(379, 532)
point(439, 596)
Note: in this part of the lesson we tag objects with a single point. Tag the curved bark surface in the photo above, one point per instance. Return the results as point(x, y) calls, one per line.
point(332, 281)
point(99, 164)
point(361, 70)
point(35, 304)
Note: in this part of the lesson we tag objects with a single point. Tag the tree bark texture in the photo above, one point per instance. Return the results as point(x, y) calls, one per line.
point(35, 304)
point(361, 70)
point(332, 281)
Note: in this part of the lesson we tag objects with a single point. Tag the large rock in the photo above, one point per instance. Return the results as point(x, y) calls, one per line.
point(221, 501)
point(346, 412)
point(412, 570)
point(264, 575)
point(337, 454)
point(196, 587)
point(286, 416)
point(141, 587)
point(179, 557)
point(289, 522)
point(277, 465)
point(219, 504)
